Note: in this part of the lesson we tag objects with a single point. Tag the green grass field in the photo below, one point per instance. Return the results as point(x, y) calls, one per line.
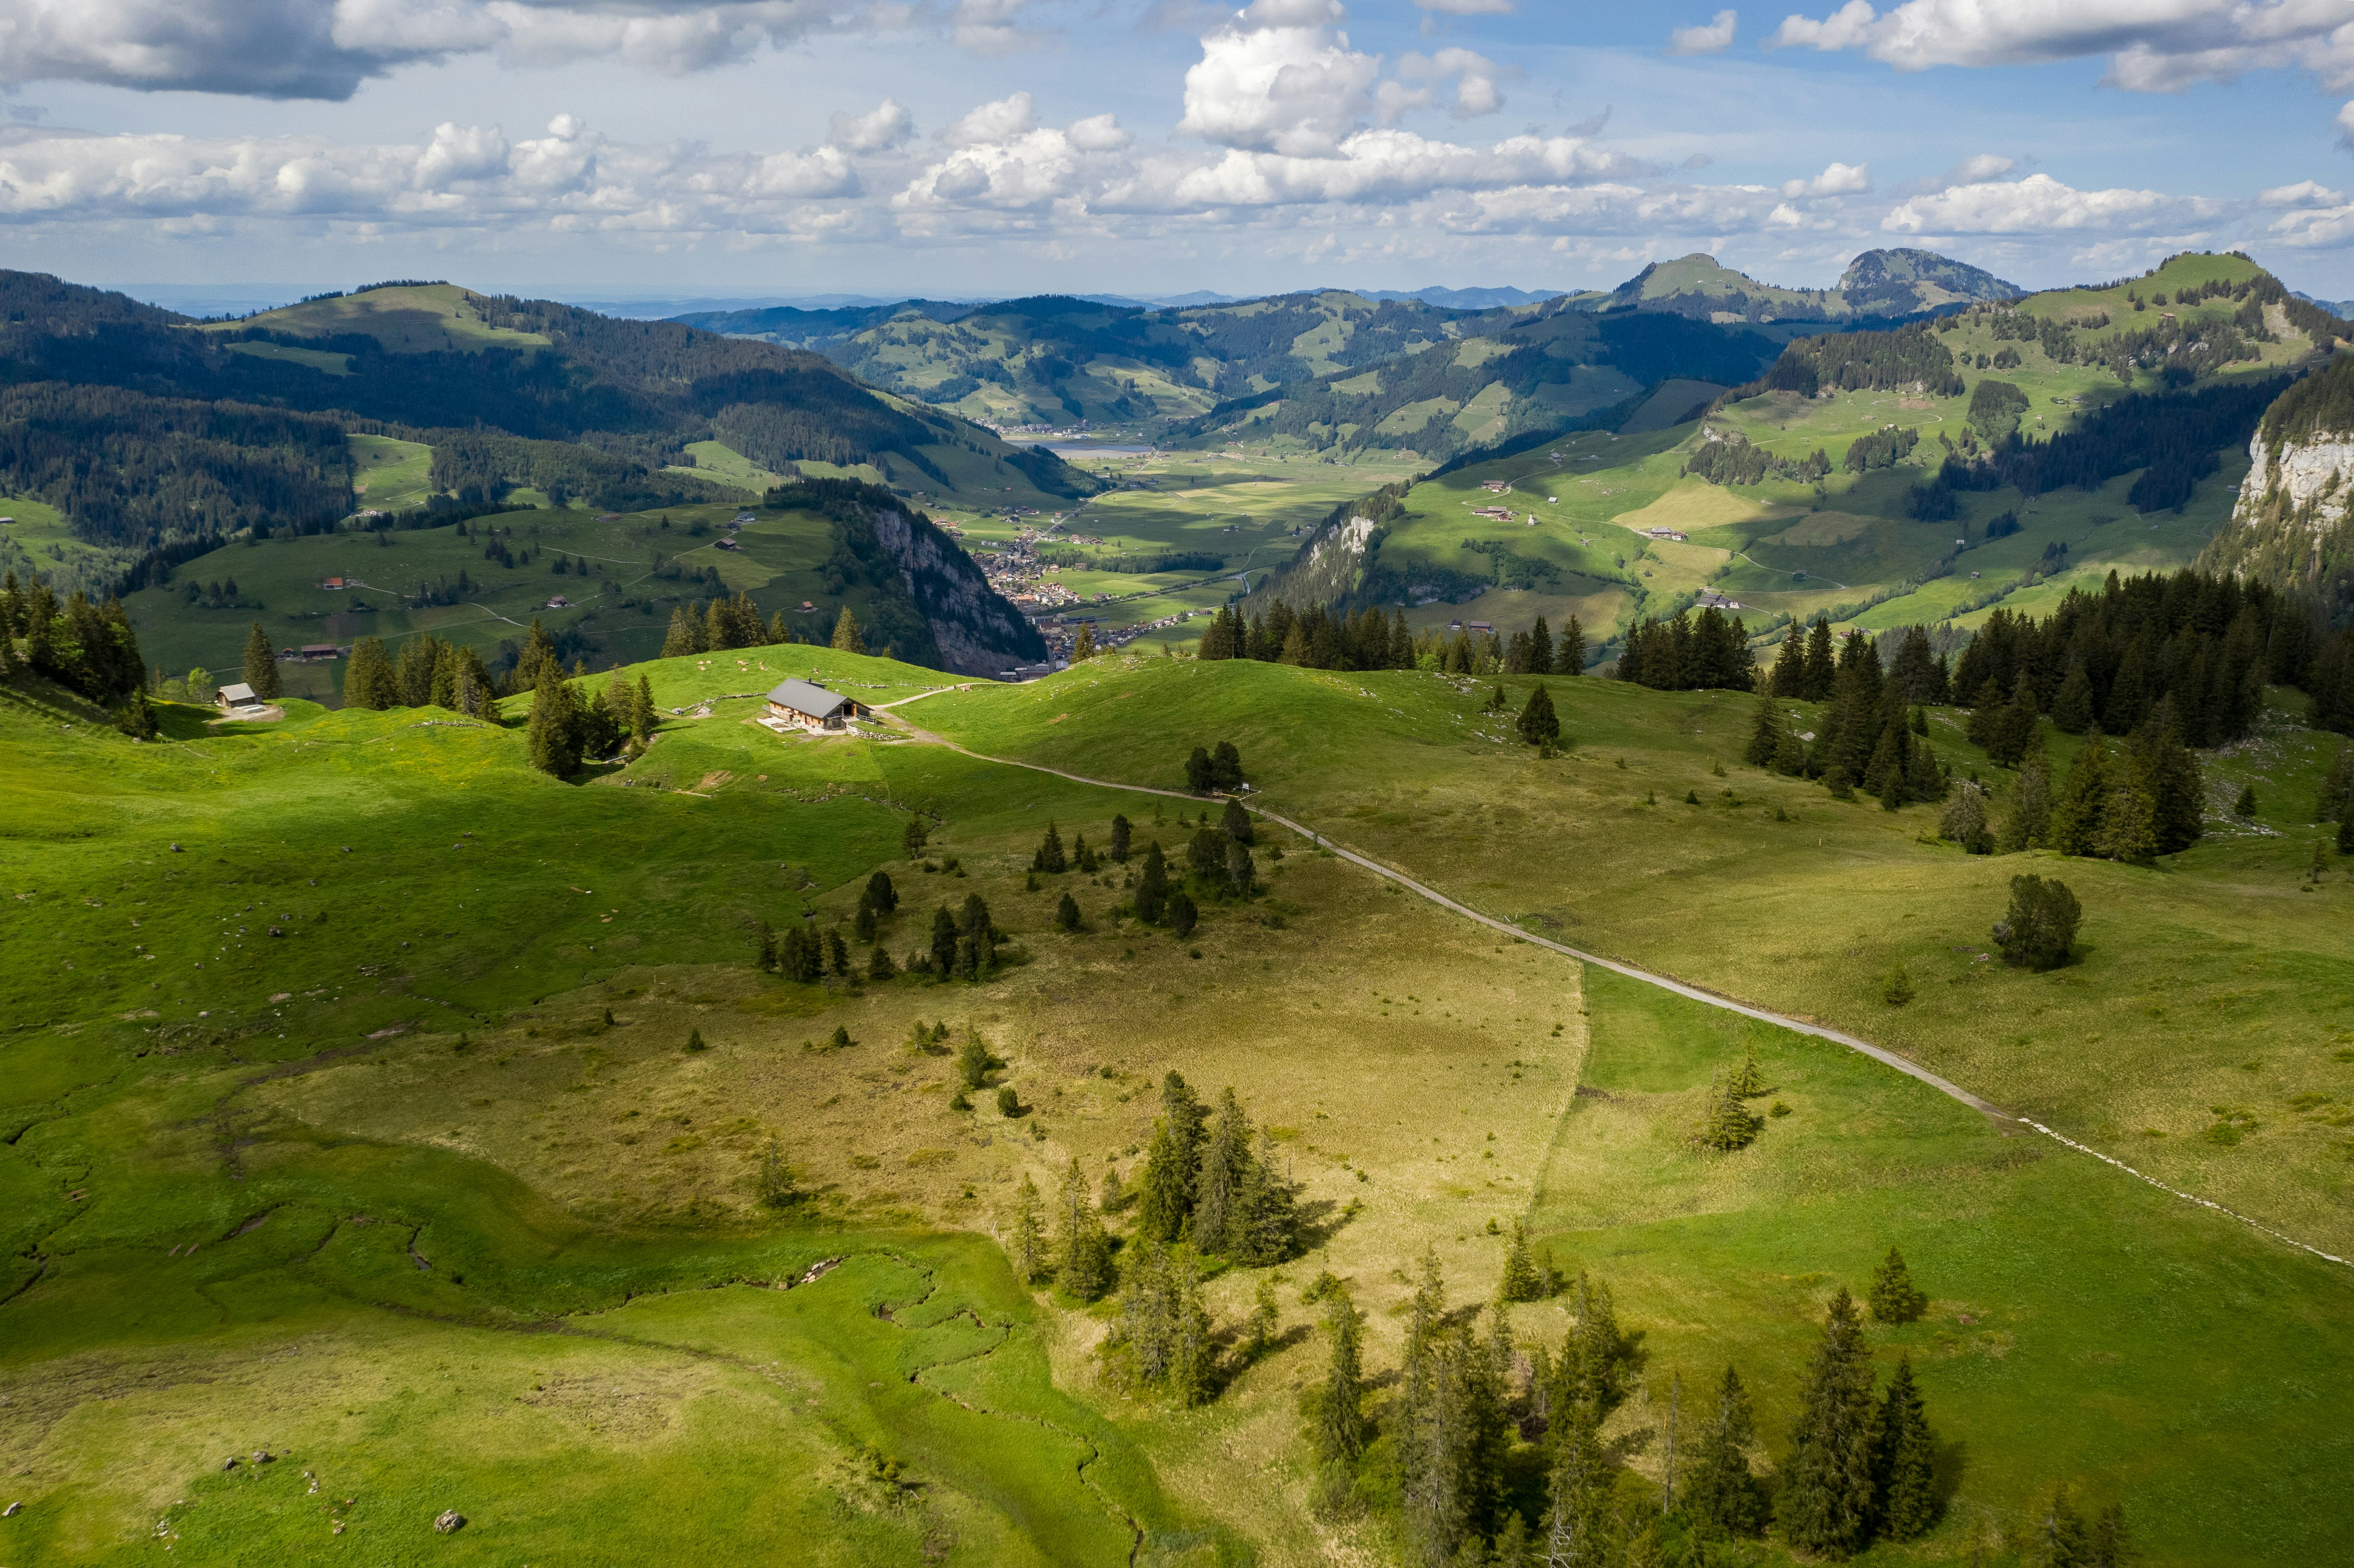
point(472, 1231)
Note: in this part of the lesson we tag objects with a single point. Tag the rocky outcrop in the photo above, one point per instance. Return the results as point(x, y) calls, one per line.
point(978, 631)
point(2293, 526)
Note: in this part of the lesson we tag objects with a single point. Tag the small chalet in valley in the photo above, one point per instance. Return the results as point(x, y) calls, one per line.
point(236, 695)
point(811, 706)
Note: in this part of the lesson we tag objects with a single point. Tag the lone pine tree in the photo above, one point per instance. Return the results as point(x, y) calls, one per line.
point(1539, 725)
point(1050, 857)
point(1892, 1295)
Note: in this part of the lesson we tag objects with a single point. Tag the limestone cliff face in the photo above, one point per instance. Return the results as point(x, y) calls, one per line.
point(978, 632)
point(2291, 526)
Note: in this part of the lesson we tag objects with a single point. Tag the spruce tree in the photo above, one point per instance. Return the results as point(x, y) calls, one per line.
point(1167, 1186)
point(1026, 1246)
point(2024, 822)
point(1766, 732)
point(2056, 1539)
point(1183, 914)
point(2072, 707)
point(1892, 1295)
point(1540, 648)
point(1085, 648)
point(555, 734)
point(1432, 1425)
point(1789, 676)
point(1193, 1352)
point(1578, 1528)
point(1337, 1430)
point(1050, 857)
point(1569, 650)
point(1721, 1495)
point(1218, 1178)
point(643, 714)
point(1522, 1281)
point(260, 664)
point(944, 941)
point(2077, 818)
point(1242, 873)
point(1511, 1547)
point(1153, 885)
point(2108, 1545)
point(1826, 1506)
point(1265, 1228)
point(1120, 832)
point(847, 637)
point(1066, 913)
point(1539, 725)
point(1725, 1124)
point(1236, 822)
point(2179, 794)
point(879, 965)
point(1084, 1249)
point(1908, 1499)
point(1591, 1373)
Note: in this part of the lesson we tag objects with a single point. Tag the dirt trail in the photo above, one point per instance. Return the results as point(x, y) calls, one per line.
point(1691, 992)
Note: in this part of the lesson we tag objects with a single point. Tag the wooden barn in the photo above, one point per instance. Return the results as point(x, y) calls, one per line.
point(812, 707)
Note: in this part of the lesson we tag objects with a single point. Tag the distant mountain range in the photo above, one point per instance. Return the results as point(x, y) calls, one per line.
point(1877, 285)
point(1107, 359)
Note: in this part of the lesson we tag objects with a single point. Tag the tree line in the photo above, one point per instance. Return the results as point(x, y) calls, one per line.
point(86, 647)
point(2173, 438)
point(1318, 638)
point(1488, 1452)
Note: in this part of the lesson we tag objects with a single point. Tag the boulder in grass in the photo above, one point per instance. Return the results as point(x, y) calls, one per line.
point(450, 1521)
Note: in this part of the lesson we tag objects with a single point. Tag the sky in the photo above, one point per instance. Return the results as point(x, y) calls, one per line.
point(968, 148)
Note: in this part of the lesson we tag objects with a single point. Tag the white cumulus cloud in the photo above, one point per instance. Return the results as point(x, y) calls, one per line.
point(1838, 179)
point(1713, 37)
point(463, 177)
point(2152, 45)
point(2305, 192)
point(881, 129)
point(1280, 89)
point(2041, 205)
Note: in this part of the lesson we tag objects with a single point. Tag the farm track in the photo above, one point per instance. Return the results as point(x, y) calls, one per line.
point(2002, 1118)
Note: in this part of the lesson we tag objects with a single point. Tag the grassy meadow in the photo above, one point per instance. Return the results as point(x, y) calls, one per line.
point(425, 1196)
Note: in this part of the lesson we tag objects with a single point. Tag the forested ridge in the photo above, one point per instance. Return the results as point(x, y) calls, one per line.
point(2174, 438)
point(85, 368)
